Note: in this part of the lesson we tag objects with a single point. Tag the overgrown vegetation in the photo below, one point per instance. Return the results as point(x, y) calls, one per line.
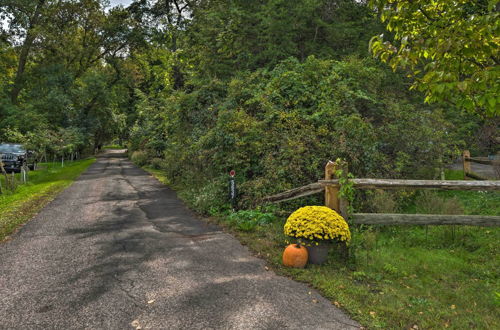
point(276, 103)
point(17, 207)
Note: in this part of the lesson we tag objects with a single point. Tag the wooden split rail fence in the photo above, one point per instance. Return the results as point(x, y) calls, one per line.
point(331, 187)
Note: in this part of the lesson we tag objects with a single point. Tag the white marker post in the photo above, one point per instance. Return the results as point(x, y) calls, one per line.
point(232, 189)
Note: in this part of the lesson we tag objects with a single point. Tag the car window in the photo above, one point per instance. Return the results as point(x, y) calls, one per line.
point(5, 148)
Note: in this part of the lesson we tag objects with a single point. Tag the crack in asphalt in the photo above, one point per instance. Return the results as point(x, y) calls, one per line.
point(136, 300)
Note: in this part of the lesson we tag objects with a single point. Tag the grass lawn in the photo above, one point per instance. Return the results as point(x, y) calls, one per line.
point(407, 277)
point(412, 277)
point(44, 184)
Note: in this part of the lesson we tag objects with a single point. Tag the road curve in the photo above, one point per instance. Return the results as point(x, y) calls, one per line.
point(118, 250)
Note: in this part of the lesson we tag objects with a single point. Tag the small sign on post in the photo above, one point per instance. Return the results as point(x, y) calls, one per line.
point(232, 189)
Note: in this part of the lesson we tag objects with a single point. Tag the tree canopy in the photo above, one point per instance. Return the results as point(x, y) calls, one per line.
point(272, 89)
point(450, 47)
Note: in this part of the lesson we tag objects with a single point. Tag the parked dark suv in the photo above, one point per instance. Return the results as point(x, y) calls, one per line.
point(14, 156)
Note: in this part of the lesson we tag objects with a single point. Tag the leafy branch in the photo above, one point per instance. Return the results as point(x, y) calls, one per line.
point(346, 190)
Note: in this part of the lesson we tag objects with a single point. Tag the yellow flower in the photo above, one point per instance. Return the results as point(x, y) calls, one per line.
point(317, 222)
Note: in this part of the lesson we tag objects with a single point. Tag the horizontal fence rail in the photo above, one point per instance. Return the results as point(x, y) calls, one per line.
point(310, 189)
point(331, 188)
point(418, 184)
point(319, 187)
point(424, 219)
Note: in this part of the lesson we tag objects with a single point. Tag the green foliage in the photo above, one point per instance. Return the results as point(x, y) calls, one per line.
point(346, 190)
point(251, 34)
point(450, 47)
point(248, 220)
point(63, 74)
point(208, 198)
point(60, 142)
point(140, 158)
point(156, 163)
point(277, 128)
point(431, 203)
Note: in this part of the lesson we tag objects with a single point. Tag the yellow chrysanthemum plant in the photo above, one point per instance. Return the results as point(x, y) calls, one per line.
point(312, 224)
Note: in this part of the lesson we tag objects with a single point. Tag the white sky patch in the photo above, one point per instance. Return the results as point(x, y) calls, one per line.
point(124, 3)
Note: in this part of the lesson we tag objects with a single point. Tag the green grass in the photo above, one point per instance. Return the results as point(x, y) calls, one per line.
point(113, 146)
point(44, 184)
point(432, 277)
point(158, 174)
point(454, 174)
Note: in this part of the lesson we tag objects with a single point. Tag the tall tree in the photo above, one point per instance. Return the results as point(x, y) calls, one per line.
point(24, 18)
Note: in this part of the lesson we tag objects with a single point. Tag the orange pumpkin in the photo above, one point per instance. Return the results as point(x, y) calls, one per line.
point(295, 255)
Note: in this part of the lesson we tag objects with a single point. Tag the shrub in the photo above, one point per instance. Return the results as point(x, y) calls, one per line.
point(317, 223)
point(140, 158)
point(277, 128)
point(383, 202)
point(207, 199)
point(431, 203)
point(157, 163)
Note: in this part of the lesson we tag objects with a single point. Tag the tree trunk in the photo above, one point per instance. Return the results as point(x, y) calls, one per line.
point(25, 50)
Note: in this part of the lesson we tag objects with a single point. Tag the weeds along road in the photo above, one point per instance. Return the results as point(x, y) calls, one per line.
point(118, 250)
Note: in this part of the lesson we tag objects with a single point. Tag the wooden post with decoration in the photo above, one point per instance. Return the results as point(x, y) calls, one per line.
point(466, 162)
point(331, 192)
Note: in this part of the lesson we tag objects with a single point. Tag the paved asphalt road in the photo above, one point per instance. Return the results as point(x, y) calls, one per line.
point(118, 250)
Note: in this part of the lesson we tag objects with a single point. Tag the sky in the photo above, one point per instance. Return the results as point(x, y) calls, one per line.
point(125, 3)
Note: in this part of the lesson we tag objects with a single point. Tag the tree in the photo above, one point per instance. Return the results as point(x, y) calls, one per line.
point(73, 74)
point(164, 22)
point(450, 47)
point(25, 18)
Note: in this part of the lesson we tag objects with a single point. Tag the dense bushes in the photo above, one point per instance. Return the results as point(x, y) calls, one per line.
point(140, 158)
point(278, 128)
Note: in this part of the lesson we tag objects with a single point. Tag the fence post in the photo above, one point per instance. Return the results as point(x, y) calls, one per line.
point(335, 202)
point(466, 163)
point(331, 193)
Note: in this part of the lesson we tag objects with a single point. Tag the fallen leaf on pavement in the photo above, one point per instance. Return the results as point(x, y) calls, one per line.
point(136, 325)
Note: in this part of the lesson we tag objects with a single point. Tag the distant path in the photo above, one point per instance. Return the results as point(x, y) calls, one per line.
point(118, 250)
point(484, 170)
